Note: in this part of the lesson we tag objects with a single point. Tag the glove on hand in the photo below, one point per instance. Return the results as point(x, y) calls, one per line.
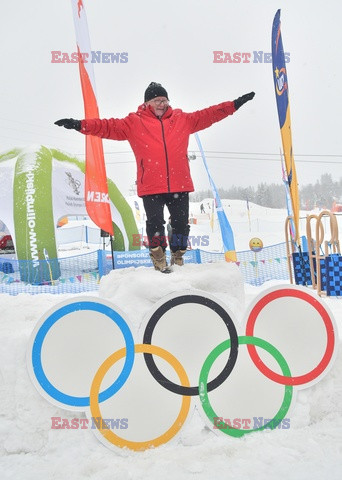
point(241, 100)
point(69, 123)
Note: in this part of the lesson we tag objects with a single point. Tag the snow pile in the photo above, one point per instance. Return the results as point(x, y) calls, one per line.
point(30, 449)
point(146, 286)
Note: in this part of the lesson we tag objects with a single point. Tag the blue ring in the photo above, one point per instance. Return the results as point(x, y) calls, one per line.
point(38, 344)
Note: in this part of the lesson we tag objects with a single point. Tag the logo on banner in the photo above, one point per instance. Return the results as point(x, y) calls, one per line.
point(280, 80)
point(99, 197)
point(74, 183)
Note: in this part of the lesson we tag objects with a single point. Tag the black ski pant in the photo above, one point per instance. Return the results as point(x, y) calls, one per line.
point(178, 206)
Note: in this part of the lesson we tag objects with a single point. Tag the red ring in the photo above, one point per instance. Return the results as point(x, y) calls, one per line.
point(301, 379)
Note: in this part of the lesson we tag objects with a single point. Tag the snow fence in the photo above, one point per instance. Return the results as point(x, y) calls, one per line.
point(82, 273)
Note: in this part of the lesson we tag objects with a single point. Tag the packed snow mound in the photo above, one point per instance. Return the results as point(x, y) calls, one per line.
point(146, 286)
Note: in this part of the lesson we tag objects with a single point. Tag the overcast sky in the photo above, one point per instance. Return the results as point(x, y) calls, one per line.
point(172, 42)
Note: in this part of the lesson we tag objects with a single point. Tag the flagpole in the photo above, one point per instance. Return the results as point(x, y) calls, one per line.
point(95, 169)
point(281, 88)
point(249, 216)
point(112, 249)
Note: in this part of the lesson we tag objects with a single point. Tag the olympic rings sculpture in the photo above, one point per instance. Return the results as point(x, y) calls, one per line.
point(82, 357)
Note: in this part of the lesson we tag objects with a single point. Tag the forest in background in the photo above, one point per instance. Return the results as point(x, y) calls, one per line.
point(321, 194)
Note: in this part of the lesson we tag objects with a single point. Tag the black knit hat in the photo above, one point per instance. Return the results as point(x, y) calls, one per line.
point(154, 90)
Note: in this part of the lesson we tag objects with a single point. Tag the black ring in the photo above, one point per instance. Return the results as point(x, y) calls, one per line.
point(216, 382)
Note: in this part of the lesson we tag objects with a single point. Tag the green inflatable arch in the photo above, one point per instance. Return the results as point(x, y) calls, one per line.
point(39, 185)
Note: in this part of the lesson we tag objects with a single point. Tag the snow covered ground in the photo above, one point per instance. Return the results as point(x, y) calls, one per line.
point(268, 224)
point(262, 222)
point(31, 449)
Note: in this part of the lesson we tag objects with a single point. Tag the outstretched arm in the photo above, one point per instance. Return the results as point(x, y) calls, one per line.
point(115, 129)
point(204, 118)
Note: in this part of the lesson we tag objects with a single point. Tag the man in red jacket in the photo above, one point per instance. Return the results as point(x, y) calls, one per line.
point(159, 137)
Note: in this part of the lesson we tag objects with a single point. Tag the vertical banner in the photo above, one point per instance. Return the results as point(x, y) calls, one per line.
point(283, 106)
point(33, 218)
point(96, 189)
point(226, 229)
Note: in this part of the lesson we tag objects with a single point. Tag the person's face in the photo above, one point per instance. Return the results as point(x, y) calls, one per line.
point(159, 105)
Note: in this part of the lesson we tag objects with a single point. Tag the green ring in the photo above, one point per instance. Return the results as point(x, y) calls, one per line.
point(244, 340)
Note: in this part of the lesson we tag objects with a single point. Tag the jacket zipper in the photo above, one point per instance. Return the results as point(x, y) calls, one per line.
point(166, 157)
point(142, 171)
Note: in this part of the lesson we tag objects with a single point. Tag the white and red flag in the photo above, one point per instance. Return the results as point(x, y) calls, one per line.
point(96, 188)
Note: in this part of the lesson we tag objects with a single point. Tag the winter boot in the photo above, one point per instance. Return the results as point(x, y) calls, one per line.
point(158, 258)
point(177, 257)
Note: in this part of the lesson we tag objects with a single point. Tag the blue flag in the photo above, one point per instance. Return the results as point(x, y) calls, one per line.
point(226, 229)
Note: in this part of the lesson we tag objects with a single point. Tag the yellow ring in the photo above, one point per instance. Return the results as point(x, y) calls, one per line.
point(95, 389)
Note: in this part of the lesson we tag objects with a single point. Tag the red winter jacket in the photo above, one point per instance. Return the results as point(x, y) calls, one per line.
point(159, 144)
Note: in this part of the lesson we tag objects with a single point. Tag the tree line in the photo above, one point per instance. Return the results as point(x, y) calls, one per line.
point(321, 194)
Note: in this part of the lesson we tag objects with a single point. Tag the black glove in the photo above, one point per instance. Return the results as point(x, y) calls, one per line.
point(241, 100)
point(69, 123)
